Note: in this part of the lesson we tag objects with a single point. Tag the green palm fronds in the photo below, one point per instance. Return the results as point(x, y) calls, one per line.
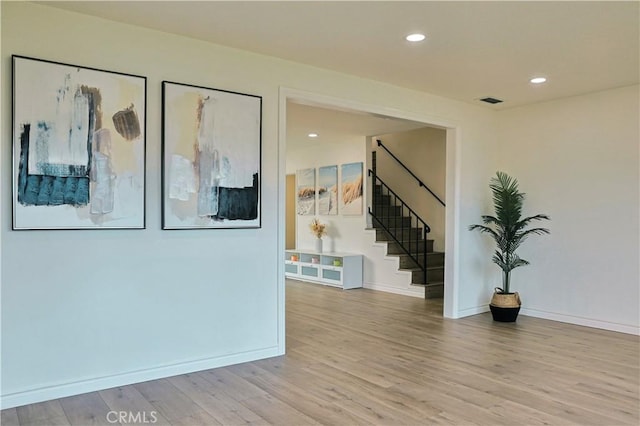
point(507, 227)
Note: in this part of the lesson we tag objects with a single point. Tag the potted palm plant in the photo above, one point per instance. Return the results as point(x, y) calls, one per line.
point(509, 230)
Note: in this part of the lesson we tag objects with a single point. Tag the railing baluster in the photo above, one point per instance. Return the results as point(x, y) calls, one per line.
point(424, 239)
point(391, 227)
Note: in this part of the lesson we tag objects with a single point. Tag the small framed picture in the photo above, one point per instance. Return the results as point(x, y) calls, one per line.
point(306, 192)
point(351, 186)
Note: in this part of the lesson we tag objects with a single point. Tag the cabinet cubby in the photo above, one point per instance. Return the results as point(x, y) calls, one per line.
point(342, 270)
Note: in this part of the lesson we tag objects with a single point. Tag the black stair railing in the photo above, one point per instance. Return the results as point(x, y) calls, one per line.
point(420, 183)
point(392, 215)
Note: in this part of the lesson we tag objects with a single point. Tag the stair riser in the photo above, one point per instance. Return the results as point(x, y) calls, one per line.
point(391, 216)
point(402, 234)
point(394, 248)
point(433, 275)
point(392, 222)
point(435, 291)
point(382, 200)
point(386, 210)
point(435, 259)
point(385, 201)
point(406, 262)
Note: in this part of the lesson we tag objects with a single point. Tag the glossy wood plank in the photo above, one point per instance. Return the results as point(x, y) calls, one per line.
point(42, 413)
point(127, 399)
point(172, 403)
point(215, 401)
point(364, 357)
point(9, 417)
point(277, 412)
point(86, 409)
point(223, 380)
point(304, 398)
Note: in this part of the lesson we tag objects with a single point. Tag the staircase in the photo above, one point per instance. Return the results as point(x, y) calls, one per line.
point(409, 237)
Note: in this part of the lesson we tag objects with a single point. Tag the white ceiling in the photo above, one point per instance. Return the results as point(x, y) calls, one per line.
point(331, 124)
point(473, 49)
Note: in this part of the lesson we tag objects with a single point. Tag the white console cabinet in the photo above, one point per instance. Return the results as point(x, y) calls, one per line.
point(342, 270)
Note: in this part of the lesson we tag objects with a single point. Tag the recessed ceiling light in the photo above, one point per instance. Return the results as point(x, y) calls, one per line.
point(538, 80)
point(415, 37)
point(313, 135)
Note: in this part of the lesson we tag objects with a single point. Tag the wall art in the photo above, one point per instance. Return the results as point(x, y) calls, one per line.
point(211, 158)
point(79, 139)
point(351, 187)
point(306, 192)
point(328, 190)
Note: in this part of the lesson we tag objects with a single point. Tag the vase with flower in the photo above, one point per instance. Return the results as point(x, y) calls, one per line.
point(319, 230)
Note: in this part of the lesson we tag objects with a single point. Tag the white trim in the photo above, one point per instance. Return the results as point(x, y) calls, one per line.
point(586, 322)
point(450, 308)
point(452, 230)
point(472, 311)
point(99, 383)
point(403, 291)
point(324, 101)
point(568, 319)
point(281, 217)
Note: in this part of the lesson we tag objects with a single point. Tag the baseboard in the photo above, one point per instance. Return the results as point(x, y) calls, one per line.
point(472, 311)
point(587, 322)
point(75, 388)
point(388, 289)
point(570, 319)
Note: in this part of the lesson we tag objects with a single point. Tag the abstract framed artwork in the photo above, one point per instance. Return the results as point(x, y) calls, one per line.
point(306, 192)
point(351, 182)
point(211, 158)
point(328, 190)
point(79, 137)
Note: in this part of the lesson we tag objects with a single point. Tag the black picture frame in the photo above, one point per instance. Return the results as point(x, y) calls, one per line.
point(79, 147)
point(211, 158)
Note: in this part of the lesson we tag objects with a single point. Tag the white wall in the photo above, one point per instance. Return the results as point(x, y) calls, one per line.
point(315, 153)
point(163, 302)
point(423, 151)
point(577, 159)
point(172, 302)
point(346, 233)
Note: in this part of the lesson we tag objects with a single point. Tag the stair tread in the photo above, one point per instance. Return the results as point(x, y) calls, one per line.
point(429, 253)
point(397, 230)
point(398, 227)
point(412, 240)
point(391, 240)
point(430, 284)
point(416, 269)
point(403, 256)
point(406, 256)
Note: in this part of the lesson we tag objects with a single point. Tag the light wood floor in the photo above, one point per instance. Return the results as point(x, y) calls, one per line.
point(364, 357)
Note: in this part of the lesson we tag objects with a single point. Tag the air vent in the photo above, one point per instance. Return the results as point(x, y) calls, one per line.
point(490, 100)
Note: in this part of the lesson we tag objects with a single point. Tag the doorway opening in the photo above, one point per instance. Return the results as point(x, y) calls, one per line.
point(296, 122)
